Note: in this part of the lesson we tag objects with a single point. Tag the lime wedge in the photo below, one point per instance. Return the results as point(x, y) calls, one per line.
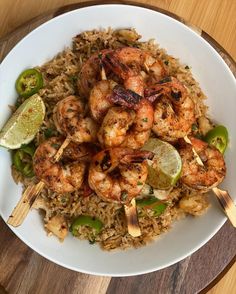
point(23, 125)
point(165, 168)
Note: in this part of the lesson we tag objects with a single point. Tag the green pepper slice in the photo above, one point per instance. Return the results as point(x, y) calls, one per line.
point(218, 137)
point(26, 168)
point(152, 203)
point(29, 82)
point(86, 220)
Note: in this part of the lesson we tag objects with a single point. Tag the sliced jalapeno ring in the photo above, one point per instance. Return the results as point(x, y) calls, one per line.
point(17, 159)
point(218, 137)
point(157, 206)
point(25, 167)
point(28, 170)
point(145, 202)
point(29, 149)
point(85, 220)
point(29, 82)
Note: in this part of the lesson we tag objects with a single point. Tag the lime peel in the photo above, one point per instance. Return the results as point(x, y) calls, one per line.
point(23, 125)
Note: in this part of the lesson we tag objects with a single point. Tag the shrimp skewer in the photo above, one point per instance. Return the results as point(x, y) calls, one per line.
point(70, 119)
point(60, 177)
point(68, 116)
point(207, 171)
point(126, 127)
point(201, 177)
point(91, 73)
point(130, 65)
point(118, 175)
point(99, 102)
point(174, 110)
point(27, 199)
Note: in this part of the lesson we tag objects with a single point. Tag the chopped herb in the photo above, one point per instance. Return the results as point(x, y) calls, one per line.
point(73, 79)
point(166, 62)
point(56, 146)
point(139, 183)
point(198, 136)
point(70, 110)
point(194, 127)
point(48, 133)
point(165, 80)
point(186, 67)
point(63, 199)
point(124, 195)
point(145, 119)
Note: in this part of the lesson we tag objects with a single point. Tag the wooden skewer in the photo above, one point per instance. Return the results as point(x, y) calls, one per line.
point(130, 210)
point(227, 204)
point(223, 196)
point(61, 149)
point(103, 74)
point(132, 219)
point(23, 206)
point(30, 194)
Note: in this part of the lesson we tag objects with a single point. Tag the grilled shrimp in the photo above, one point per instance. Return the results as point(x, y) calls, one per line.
point(66, 175)
point(118, 174)
point(200, 177)
point(174, 110)
point(70, 120)
point(115, 126)
point(130, 65)
point(99, 99)
point(90, 73)
point(126, 127)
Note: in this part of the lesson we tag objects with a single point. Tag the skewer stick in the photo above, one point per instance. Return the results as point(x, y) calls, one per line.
point(227, 204)
point(223, 196)
point(23, 206)
point(130, 210)
point(61, 149)
point(103, 74)
point(30, 194)
point(132, 219)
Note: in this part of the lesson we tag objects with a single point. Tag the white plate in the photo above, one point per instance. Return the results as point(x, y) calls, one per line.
point(216, 81)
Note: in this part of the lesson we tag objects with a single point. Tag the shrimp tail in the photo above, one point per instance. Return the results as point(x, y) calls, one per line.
point(152, 94)
point(168, 86)
point(125, 97)
point(138, 157)
point(110, 61)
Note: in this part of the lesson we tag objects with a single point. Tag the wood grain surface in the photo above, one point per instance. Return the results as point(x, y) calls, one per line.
point(24, 271)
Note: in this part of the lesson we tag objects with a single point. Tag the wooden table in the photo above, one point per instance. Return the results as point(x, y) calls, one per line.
point(24, 271)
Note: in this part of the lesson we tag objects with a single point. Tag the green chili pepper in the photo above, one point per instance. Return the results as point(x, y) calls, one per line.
point(218, 137)
point(29, 149)
point(26, 168)
point(29, 82)
point(152, 203)
point(86, 220)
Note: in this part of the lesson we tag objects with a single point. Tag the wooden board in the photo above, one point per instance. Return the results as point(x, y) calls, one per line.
point(24, 271)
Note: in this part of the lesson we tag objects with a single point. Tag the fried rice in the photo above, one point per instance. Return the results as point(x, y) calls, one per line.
point(60, 80)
